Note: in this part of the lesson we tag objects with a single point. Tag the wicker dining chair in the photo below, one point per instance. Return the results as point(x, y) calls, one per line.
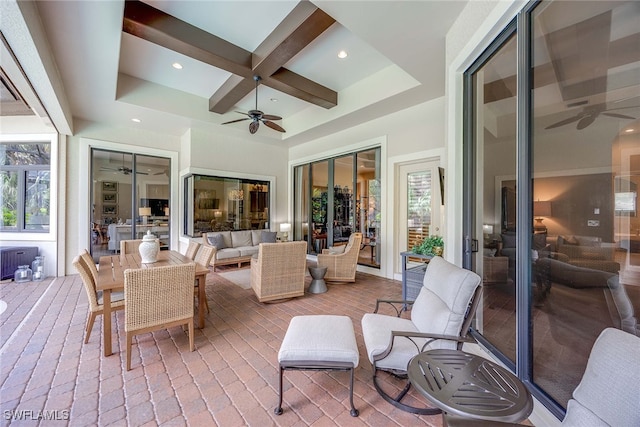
point(192, 250)
point(129, 246)
point(158, 298)
point(341, 267)
point(203, 257)
point(88, 260)
point(96, 306)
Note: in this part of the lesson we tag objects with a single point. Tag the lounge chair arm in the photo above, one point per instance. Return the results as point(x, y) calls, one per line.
point(428, 336)
point(392, 303)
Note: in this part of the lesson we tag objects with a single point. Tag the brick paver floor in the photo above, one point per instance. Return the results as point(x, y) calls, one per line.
point(231, 379)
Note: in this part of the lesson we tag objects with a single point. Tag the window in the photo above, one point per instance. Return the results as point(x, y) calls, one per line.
point(25, 195)
point(217, 203)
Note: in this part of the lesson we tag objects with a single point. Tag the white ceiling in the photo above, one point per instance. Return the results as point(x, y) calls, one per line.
point(396, 60)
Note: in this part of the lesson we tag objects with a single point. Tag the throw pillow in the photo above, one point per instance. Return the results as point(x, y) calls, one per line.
point(539, 241)
point(217, 240)
point(335, 250)
point(508, 240)
point(268, 237)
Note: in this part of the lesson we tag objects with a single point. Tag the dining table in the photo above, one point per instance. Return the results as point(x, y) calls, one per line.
point(111, 278)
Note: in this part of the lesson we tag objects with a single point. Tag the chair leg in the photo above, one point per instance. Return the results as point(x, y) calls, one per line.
point(354, 412)
point(396, 401)
point(191, 334)
point(278, 410)
point(129, 336)
point(90, 320)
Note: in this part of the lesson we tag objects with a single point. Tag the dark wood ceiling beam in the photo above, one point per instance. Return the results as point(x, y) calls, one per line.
point(300, 87)
point(621, 52)
point(300, 27)
point(289, 38)
point(151, 24)
point(235, 88)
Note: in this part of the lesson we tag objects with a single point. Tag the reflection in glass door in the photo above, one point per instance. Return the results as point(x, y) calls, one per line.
point(555, 163)
point(495, 185)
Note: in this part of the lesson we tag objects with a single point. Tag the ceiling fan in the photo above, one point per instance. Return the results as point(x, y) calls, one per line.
point(125, 170)
point(589, 114)
point(256, 116)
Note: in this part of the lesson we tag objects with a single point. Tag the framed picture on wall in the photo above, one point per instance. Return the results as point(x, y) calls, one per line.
point(110, 198)
point(110, 210)
point(109, 186)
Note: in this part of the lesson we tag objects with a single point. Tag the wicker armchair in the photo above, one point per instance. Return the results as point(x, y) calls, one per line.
point(158, 298)
point(278, 271)
point(192, 250)
point(129, 246)
point(95, 299)
point(341, 267)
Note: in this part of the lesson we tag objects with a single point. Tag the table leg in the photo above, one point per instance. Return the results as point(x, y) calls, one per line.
point(106, 322)
point(201, 297)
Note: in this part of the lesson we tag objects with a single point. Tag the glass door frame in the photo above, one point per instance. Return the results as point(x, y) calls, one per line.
point(521, 27)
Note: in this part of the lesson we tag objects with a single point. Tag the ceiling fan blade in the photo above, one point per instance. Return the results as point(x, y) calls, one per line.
point(585, 121)
point(253, 126)
point(619, 116)
point(565, 122)
point(273, 126)
point(271, 117)
point(142, 173)
point(234, 121)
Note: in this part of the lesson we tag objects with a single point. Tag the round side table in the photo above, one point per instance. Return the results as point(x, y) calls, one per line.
point(318, 285)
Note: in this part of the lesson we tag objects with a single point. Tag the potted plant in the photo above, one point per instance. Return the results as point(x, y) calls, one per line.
point(432, 245)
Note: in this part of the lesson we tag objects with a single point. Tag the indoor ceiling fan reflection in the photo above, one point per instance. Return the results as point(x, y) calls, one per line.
point(256, 116)
point(589, 114)
point(123, 169)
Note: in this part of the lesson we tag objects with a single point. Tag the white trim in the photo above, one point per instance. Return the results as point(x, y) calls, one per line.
point(435, 154)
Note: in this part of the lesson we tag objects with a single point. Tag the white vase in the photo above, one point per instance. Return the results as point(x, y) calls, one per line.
point(149, 248)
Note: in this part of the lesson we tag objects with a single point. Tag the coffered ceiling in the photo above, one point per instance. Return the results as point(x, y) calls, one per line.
point(115, 61)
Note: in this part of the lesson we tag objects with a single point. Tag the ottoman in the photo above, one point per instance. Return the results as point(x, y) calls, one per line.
point(319, 342)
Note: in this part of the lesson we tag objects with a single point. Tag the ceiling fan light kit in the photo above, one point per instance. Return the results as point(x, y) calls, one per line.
point(256, 116)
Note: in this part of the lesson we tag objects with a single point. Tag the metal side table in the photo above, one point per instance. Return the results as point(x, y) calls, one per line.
point(470, 386)
point(318, 285)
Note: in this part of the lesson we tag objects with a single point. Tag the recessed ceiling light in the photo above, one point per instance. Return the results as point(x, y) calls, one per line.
point(273, 99)
point(135, 120)
point(629, 130)
point(342, 54)
point(177, 65)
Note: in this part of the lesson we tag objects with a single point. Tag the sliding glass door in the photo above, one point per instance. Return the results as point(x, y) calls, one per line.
point(130, 196)
point(553, 155)
point(337, 197)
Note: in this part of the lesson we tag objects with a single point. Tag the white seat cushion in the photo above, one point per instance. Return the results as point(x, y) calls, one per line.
point(610, 386)
point(322, 338)
point(376, 329)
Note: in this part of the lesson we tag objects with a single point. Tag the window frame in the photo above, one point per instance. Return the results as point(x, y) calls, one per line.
point(21, 230)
